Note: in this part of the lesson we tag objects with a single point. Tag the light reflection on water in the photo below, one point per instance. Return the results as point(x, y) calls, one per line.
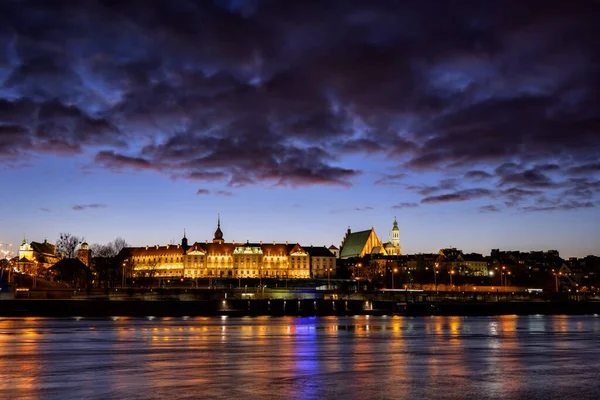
point(301, 358)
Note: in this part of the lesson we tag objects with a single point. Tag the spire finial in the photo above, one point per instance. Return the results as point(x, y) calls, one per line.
point(218, 220)
point(184, 233)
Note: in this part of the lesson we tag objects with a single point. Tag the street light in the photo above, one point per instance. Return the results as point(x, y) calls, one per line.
point(328, 277)
point(556, 279)
point(451, 273)
point(123, 276)
point(435, 267)
point(393, 272)
point(35, 263)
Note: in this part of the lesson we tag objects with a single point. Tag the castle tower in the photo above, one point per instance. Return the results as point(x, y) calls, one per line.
point(83, 254)
point(218, 233)
point(184, 243)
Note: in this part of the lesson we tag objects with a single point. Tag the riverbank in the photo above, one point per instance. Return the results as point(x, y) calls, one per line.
point(278, 307)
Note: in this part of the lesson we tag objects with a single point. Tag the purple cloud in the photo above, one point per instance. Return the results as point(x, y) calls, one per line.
point(81, 207)
point(247, 108)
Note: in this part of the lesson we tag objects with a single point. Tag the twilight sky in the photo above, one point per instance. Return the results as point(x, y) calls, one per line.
point(476, 123)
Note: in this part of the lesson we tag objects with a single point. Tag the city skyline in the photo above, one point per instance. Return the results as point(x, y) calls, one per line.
point(477, 127)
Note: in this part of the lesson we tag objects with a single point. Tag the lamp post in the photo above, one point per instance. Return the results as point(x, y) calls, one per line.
point(123, 276)
point(328, 277)
point(451, 273)
point(35, 271)
point(393, 272)
point(435, 267)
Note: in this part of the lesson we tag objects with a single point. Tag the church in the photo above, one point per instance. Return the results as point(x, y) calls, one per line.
point(365, 243)
point(221, 259)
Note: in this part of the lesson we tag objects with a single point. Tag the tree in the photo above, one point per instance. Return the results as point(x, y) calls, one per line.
point(119, 244)
point(107, 264)
point(66, 244)
point(111, 249)
point(101, 250)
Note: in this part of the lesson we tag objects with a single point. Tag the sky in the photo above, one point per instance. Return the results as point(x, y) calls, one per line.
point(475, 123)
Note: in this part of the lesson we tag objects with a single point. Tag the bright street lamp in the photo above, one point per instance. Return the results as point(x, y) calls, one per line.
point(393, 272)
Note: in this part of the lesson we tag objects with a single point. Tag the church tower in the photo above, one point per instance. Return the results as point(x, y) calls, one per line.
point(218, 233)
point(396, 234)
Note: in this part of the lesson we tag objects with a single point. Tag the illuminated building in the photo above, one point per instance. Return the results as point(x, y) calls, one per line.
point(35, 255)
point(392, 247)
point(219, 259)
point(360, 244)
point(365, 243)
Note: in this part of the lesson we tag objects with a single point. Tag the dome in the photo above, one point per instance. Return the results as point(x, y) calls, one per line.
point(389, 245)
point(395, 228)
point(84, 246)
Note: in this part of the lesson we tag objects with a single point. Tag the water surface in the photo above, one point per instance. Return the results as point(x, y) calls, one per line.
point(363, 357)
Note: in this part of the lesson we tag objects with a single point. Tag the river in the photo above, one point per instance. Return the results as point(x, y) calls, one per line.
point(508, 357)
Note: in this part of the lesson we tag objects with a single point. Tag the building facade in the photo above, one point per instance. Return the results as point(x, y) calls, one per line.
point(220, 259)
point(35, 256)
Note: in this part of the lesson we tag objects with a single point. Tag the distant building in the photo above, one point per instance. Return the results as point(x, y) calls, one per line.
point(72, 271)
point(476, 264)
point(322, 262)
point(335, 251)
point(450, 259)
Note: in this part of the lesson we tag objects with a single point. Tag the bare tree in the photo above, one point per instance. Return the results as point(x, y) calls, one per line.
point(119, 244)
point(66, 244)
point(101, 250)
point(111, 249)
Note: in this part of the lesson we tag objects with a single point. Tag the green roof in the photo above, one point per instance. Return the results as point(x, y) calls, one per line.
point(355, 243)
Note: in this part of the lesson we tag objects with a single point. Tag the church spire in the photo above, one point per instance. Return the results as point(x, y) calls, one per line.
point(218, 233)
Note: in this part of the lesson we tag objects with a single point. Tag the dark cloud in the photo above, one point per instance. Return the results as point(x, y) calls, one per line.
point(390, 179)
point(110, 159)
point(516, 195)
point(45, 209)
point(202, 192)
point(294, 93)
point(461, 195)
point(404, 205)
point(562, 206)
point(532, 178)
point(478, 175)
point(445, 184)
point(224, 193)
point(81, 207)
point(366, 208)
point(591, 168)
point(489, 209)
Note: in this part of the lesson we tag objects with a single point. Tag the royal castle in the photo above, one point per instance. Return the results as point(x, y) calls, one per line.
point(221, 259)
